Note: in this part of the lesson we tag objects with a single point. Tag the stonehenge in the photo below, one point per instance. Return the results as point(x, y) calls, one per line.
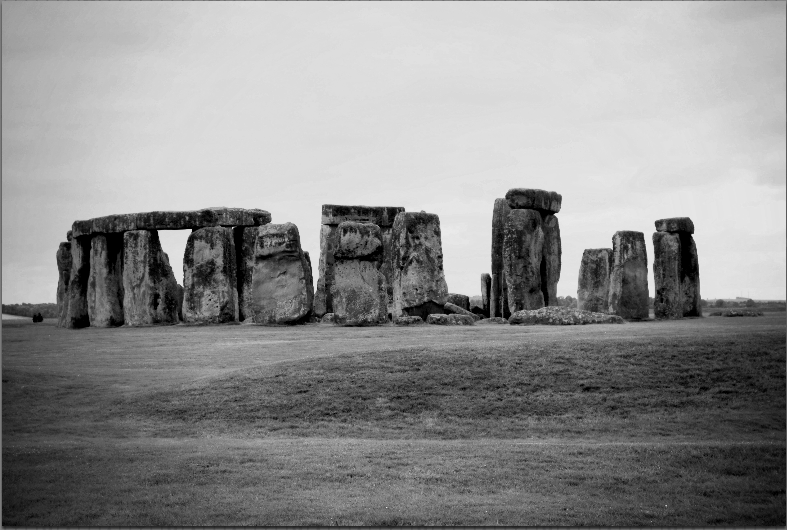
point(210, 293)
point(675, 270)
point(526, 251)
point(593, 285)
point(63, 258)
point(105, 282)
point(150, 292)
point(628, 279)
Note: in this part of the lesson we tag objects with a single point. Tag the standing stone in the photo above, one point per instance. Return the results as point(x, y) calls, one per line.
point(522, 252)
point(63, 258)
point(150, 289)
point(245, 238)
point(105, 285)
point(498, 302)
point(419, 280)
point(675, 269)
point(282, 290)
point(210, 289)
point(486, 286)
point(593, 284)
point(551, 259)
point(628, 282)
point(359, 291)
point(76, 310)
point(460, 300)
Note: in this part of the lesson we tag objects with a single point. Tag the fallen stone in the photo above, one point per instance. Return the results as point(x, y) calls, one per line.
point(282, 291)
point(594, 272)
point(418, 275)
point(478, 311)
point(493, 320)
point(210, 285)
point(408, 321)
point(675, 224)
point(561, 316)
point(105, 283)
point(498, 304)
point(150, 292)
point(551, 259)
point(486, 287)
point(533, 199)
point(328, 318)
point(63, 258)
point(628, 281)
point(76, 305)
point(453, 309)
point(676, 276)
point(460, 300)
point(522, 253)
point(450, 320)
point(177, 220)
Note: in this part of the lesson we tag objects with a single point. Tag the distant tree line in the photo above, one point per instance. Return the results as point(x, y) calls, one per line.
point(30, 310)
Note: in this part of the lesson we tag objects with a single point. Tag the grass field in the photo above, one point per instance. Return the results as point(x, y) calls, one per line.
point(644, 424)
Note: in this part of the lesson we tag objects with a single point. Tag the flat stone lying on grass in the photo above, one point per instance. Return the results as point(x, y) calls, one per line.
point(461, 300)
point(450, 320)
point(453, 309)
point(493, 320)
point(737, 313)
point(328, 318)
point(409, 321)
point(561, 316)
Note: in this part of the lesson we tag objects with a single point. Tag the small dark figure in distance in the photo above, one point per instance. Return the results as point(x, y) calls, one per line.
point(38, 317)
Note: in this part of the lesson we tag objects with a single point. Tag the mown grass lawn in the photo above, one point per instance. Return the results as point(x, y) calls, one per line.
point(643, 424)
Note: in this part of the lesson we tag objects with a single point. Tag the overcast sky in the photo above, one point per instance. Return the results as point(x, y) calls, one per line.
point(632, 111)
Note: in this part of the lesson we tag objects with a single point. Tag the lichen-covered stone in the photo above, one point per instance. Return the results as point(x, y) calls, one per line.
point(382, 216)
point(282, 291)
point(461, 300)
point(533, 199)
point(63, 258)
point(210, 287)
point(486, 287)
point(418, 263)
point(522, 253)
point(358, 241)
point(150, 291)
point(628, 282)
point(408, 321)
point(676, 276)
point(675, 224)
point(105, 284)
point(328, 318)
point(450, 320)
point(177, 220)
point(245, 237)
point(76, 303)
point(453, 309)
point(561, 316)
point(593, 283)
point(551, 259)
point(498, 302)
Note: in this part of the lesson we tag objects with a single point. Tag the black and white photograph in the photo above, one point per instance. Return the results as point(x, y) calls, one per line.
point(394, 263)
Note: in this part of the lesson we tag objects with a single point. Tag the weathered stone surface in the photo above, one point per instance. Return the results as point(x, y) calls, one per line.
point(418, 263)
point(561, 316)
point(676, 275)
point(180, 294)
point(593, 283)
point(551, 259)
point(522, 253)
point(69, 235)
point(63, 258)
point(323, 299)
point(478, 311)
point(105, 283)
point(76, 303)
point(675, 224)
point(359, 293)
point(245, 238)
point(486, 287)
point(498, 302)
point(359, 241)
point(408, 321)
point(150, 292)
point(628, 282)
point(178, 220)
point(533, 199)
point(453, 309)
point(282, 291)
point(382, 216)
point(461, 300)
point(493, 320)
point(210, 287)
point(328, 318)
point(450, 320)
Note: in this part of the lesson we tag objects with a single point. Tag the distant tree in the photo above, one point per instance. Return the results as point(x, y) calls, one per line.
point(719, 303)
point(703, 302)
point(750, 303)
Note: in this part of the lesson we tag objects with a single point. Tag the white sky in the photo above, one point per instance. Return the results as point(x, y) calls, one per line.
point(632, 111)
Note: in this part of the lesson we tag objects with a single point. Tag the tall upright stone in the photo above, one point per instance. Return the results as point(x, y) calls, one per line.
point(628, 282)
point(522, 252)
point(593, 283)
point(76, 310)
point(63, 258)
point(675, 269)
point(150, 291)
point(210, 288)
point(332, 216)
point(486, 286)
point(419, 280)
point(551, 259)
point(281, 291)
point(359, 290)
point(498, 301)
point(245, 239)
point(105, 284)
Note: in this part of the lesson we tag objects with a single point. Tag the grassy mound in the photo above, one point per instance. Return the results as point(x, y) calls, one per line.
point(647, 387)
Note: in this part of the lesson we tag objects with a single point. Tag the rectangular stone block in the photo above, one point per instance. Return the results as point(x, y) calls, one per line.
point(105, 285)
point(628, 282)
point(150, 291)
point(523, 245)
point(486, 287)
point(245, 239)
point(676, 276)
point(551, 260)
point(76, 312)
point(593, 284)
point(210, 288)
